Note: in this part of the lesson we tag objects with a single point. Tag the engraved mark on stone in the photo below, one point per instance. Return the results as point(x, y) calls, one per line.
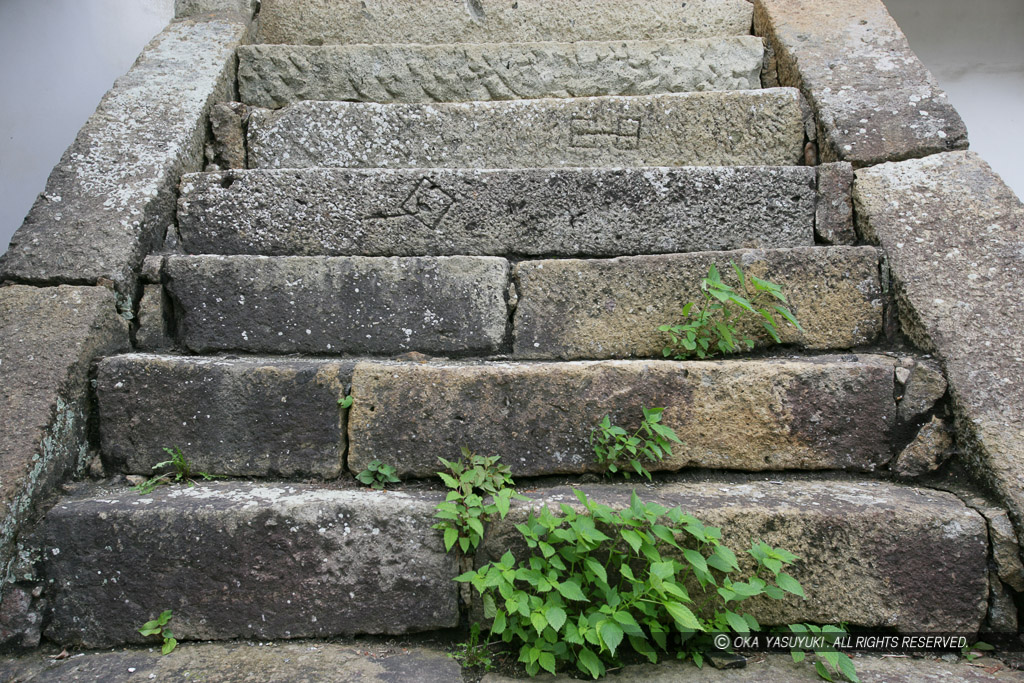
point(587, 132)
point(428, 203)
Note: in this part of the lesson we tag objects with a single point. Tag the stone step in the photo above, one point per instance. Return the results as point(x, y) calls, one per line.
point(267, 417)
point(737, 128)
point(813, 413)
point(563, 212)
point(373, 662)
point(276, 75)
point(318, 22)
point(463, 305)
point(240, 417)
point(240, 560)
point(612, 308)
point(297, 304)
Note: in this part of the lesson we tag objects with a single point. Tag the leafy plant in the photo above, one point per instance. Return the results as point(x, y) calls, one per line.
point(158, 627)
point(972, 652)
point(377, 475)
point(473, 653)
point(652, 577)
point(182, 472)
point(473, 480)
point(834, 661)
point(616, 448)
point(711, 326)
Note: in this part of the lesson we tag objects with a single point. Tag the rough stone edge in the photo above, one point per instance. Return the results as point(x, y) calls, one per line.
point(65, 433)
point(776, 55)
point(128, 291)
point(192, 8)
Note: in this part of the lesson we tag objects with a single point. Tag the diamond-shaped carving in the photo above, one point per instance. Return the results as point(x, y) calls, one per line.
point(428, 203)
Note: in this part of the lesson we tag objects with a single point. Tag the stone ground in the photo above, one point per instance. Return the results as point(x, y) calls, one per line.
point(392, 662)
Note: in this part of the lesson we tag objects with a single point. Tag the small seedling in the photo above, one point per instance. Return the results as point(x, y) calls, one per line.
point(473, 653)
point(465, 510)
point(975, 651)
point(158, 627)
point(711, 326)
point(377, 475)
point(182, 472)
point(346, 402)
point(616, 448)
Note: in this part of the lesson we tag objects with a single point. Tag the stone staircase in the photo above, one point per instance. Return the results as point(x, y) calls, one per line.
point(476, 238)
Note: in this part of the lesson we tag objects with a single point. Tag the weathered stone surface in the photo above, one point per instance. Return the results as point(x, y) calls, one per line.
point(276, 75)
point(924, 386)
point(819, 413)
point(740, 128)
point(238, 560)
point(319, 22)
point(871, 553)
point(107, 203)
point(48, 338)
point(928, 451)
point(612, 308)
point(449, 304)
point(570, 212)
point(775, 668)
point(874, 99)
point(833, 220)
point(1002, 610)
point(1005, 548)
point(151, 334)
point(21, 621)
point(226, 148)
point(953, 233)
point(189, 8)
point(286, 662)
point(229, 416)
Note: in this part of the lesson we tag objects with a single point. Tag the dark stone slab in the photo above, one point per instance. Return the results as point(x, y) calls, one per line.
point(237, 560)
point(874, 99)
point(449, 304)
point(953, 232)
point(568, 212)
point(817, 413)
point(48, 339)
point(240, 417)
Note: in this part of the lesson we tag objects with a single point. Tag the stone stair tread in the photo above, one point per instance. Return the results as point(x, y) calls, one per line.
point(288, 560)
point(731, 128)
point(810, 413)
point(358, 662)
point(273, 417)
point(427, 21)
point(276, 75)
point(462, 305)
point(566, 212)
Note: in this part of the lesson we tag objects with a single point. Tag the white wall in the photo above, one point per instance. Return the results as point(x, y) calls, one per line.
point(57, 58)
point(975, 50)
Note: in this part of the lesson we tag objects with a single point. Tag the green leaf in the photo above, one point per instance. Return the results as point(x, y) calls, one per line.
point(633, 539)
point(822, 671)
point(590, 663)
point(556, 617)
point(790, 318)
point(346, 402)
point(450, 536)
point(682, 615)
point(789, 584)
point(611, 634)
point(539, 622)
point(169, 645)
point(547, 661)
point(736, 622)
point(597, 568)
point(847, 668)
point(570, 590)
point(695, 559)
point(797, 656)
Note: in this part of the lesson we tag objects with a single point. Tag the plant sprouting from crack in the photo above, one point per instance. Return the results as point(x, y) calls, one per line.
point(181, 471)
point(158, 627)
point(377, 475)
point(712, 326)
point(620, 451)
